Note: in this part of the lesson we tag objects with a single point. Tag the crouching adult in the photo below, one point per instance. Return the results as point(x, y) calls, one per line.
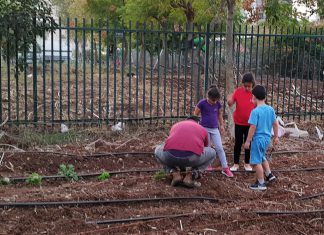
point(186, 149)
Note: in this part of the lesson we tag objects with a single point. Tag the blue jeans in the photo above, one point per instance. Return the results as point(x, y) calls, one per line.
point(214, 136)
point(196, 162)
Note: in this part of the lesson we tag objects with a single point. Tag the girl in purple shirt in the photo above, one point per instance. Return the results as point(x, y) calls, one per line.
point(211, 112)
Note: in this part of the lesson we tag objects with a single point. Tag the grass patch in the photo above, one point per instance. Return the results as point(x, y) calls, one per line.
point(51, 138)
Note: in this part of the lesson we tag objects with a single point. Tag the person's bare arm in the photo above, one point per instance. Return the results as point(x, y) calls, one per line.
point(250, 136)
point(197, 111)
point(230, 100)
point(275, 127)
point(221, 121)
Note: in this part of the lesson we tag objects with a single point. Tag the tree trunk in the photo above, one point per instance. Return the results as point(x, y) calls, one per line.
point(229, 65)
point(125, 52)
point(96, 57)
point(142, 58)
point(164, 55)
point(214, 24)
point(197, 80)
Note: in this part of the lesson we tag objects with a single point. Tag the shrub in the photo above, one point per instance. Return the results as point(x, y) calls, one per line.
point(4, 181)
point(34, 179)
point(159, 175)
point(68, 172)
point(104, 176)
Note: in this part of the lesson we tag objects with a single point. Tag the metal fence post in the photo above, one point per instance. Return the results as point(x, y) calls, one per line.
point(289, 65)
point(207, 56)
point(35, 75)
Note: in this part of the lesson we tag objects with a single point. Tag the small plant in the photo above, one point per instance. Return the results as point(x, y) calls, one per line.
point(68, 172)
point(34, 179)
point(104, 176)
point(159, 175)
point(4, 181)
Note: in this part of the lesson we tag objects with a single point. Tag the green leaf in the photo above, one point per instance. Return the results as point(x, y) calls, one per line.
point(68, 172)
point(159, 175)
point(34, 179)
point(104, 176)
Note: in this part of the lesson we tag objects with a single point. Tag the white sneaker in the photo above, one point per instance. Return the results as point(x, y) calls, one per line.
point(248, 167)
point(235, 167)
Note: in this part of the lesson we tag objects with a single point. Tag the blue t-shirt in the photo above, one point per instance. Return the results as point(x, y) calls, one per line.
point(209, 113)
point(262, 117)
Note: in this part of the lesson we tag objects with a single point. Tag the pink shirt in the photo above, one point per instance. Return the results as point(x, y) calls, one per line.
point(187, 136)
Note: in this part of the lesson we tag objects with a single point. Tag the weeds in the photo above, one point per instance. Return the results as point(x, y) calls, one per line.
point(160, 175)
point(68, 172)
point(104, 176)
point(4, 181)
point(34, 179)
point(41, 139)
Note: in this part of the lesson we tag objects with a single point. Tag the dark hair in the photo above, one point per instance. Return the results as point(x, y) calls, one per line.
point(248, 78)
point(194, 118)
point(213, 93)
point(259, 92)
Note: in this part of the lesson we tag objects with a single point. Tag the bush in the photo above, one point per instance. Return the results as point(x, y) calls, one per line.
point(4, 181)
point(159, 175)
point(104, 176)
point(34, 179)
point(68, 172)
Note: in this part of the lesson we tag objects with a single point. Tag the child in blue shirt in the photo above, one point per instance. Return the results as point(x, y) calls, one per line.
point(261, 120)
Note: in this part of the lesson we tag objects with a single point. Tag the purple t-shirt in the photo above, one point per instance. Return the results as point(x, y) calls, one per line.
point(209, 113)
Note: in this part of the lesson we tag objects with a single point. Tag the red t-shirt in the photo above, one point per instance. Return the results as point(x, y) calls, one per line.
point(244, 106)
point(187, 136)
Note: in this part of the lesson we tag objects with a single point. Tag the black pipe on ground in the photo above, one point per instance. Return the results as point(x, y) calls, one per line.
point(88, 175)
point(104, 202)
point(129, 220)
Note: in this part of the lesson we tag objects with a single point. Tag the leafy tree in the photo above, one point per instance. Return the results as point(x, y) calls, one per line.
point(20, 22)
point(73, 9)
point(314, 6)
point(281, 13)
point(229, 65)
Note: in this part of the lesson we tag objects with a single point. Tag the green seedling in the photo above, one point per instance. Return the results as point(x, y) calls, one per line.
point(34, 179)
point(160, 175)
point(4, 181)
point(68, 172)
point(104, 176)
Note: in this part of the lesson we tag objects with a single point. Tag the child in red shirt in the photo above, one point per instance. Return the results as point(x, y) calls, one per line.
point(242, 97)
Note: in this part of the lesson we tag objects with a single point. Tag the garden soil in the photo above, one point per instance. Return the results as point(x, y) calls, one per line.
point(234, 213)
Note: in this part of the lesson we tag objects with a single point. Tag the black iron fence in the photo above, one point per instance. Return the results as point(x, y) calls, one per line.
point(95, 73)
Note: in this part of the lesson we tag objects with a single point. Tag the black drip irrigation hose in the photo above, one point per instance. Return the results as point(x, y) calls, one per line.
point(312, 196)
point(130, 154)
point(152, 153)
point(300, 169)
point(76, 155)
point(287, 212)
point(129, 220)
point(105, 202)
point(280, 170)
point(89, 175)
